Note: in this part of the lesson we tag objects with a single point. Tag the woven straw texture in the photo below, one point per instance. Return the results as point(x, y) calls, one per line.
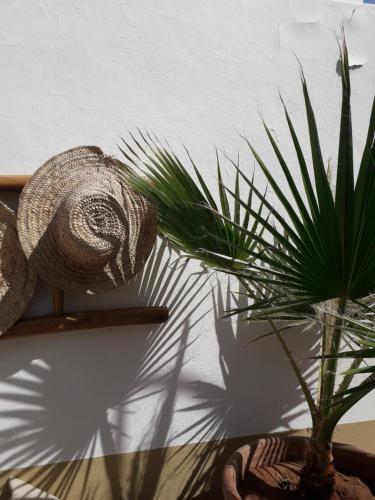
point(17, 280)
point(81, 227)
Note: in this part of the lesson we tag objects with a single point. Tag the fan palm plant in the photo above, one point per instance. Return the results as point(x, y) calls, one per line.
point(317, 261)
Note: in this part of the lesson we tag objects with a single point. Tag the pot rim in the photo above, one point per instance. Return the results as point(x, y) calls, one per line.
point(261, 452)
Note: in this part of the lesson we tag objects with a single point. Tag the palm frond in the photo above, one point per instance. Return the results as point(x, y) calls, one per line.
point(195, 219)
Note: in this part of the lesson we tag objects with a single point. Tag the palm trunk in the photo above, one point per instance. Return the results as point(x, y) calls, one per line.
point(318, 475)
point(331, 338)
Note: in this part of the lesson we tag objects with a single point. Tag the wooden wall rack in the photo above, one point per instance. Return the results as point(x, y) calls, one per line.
point(13, 182)
point(62, 322)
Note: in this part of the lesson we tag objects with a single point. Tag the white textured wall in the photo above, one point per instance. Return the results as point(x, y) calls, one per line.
point(195, 72)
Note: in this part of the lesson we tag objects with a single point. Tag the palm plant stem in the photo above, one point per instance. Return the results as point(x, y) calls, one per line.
point(347, 380)
point(331, 339)
point(331, 420)
point(303, 384)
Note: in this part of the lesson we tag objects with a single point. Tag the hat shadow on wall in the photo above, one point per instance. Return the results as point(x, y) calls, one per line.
point(60, 394)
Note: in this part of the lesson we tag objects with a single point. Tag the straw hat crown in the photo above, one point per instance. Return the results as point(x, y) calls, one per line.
point(81, 226)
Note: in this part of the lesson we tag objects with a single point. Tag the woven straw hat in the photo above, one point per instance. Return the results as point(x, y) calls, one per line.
point(17, 280)
point(81, 226)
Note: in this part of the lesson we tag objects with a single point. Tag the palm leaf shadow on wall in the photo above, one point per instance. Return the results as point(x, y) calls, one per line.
point(56, 397)
point(59, 397)
point(230, 410)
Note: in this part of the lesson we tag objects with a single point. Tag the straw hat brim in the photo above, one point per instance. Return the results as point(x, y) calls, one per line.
point(110, 216)
point(17, 280)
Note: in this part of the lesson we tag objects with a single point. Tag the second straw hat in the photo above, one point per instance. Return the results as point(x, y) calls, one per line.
point(81, 226)
point(17, 280)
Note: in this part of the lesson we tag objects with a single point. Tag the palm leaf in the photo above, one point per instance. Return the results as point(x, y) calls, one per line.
point(188, 214)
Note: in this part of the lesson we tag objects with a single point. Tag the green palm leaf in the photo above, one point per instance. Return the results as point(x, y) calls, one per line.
point(188, 214)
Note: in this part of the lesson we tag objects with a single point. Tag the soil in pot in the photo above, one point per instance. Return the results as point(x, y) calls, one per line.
point(270, 469)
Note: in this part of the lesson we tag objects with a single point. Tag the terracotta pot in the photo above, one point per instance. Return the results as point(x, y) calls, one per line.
point(269, 452)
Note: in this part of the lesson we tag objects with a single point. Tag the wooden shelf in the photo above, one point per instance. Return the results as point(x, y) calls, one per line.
point(86, 321)
point(13, 182)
